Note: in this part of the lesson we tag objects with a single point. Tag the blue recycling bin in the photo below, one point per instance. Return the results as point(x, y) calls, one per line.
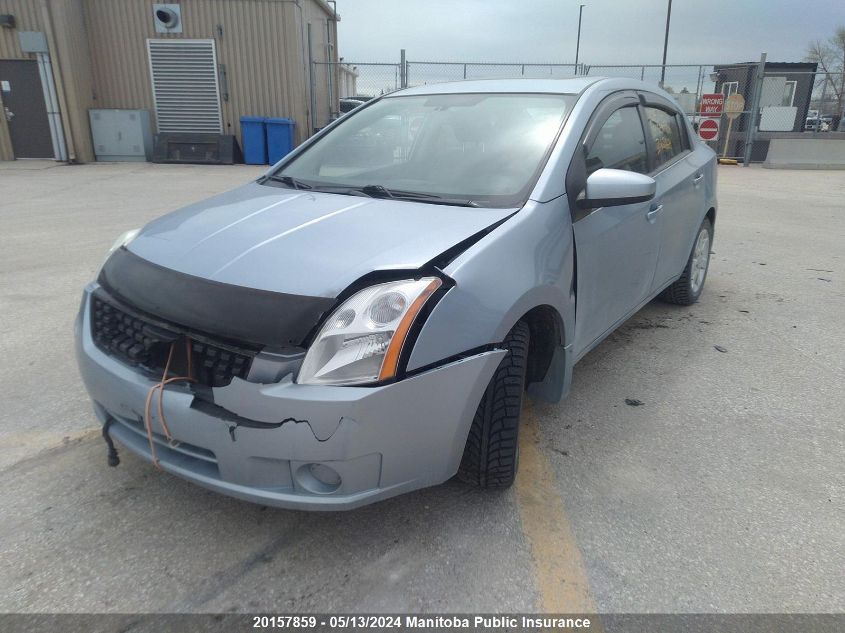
point(255, 140)
point(279, 138)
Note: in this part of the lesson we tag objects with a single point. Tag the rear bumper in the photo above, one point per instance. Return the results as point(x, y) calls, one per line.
point(379, 441)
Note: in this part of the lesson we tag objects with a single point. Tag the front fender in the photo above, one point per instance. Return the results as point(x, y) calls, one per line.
point(526, 262)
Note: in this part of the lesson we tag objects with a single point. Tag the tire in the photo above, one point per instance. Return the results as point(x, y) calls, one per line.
point(687, 289)
point(491, 454)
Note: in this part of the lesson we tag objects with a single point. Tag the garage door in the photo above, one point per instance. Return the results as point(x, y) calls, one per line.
point(184, 81)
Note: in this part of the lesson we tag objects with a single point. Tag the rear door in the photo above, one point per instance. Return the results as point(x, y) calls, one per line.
point(679, 199)
point(616, 247)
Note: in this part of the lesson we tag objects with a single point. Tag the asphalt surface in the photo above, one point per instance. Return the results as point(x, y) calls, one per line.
point(722, 492)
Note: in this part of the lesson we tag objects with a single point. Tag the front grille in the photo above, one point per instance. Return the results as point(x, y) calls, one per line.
point(145, 344)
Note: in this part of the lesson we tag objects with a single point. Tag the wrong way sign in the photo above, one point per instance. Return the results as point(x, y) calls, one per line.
point(708, 129)
point(711, 105)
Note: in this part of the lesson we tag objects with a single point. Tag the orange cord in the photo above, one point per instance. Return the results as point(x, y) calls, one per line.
point(148, 422)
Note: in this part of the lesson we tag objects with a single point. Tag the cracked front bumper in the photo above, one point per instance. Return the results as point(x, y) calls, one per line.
point(380, 441)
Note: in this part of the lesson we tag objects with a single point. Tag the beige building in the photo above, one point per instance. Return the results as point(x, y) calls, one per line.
point(195, 65)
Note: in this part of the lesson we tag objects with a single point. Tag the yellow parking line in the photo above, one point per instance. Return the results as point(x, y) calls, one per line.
point(559, 566)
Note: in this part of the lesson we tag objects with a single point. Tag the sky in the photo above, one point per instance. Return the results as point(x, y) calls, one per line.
point(613, 31)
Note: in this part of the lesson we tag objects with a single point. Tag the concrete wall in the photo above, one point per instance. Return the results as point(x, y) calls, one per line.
point(99, 54)
point(806, 153)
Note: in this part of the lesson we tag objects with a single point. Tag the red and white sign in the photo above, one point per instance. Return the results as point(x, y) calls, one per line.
point(708, 129)
point(711, 105)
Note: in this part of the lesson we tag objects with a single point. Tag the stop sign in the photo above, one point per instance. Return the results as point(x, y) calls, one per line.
point(708, 129)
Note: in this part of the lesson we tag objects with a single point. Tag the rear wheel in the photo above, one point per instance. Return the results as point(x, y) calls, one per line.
point(687, 289)
point(491, 454)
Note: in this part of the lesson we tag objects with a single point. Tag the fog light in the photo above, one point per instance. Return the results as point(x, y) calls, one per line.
point(318, 478)
point(324, 474)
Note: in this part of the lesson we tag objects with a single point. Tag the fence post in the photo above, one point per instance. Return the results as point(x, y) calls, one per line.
point(403, 69)
point(699, 88)
point(751, 130)
point(821, 106)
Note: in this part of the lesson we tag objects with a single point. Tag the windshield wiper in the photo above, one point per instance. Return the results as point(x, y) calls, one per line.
point(342, 190)
point(377, 191)
point(290, 181)
point(380, 191)
point(373, 191)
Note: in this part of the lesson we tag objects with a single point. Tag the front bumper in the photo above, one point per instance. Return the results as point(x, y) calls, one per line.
point(380, 441)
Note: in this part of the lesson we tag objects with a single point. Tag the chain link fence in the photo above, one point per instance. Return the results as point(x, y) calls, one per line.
point(371, 79)
point(796, 101)
point(420, 73)
point(759, 104)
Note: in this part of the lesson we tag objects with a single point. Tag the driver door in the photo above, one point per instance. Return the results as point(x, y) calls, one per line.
point(616, 247)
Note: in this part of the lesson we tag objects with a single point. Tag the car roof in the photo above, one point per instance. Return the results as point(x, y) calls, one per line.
point(574, 85)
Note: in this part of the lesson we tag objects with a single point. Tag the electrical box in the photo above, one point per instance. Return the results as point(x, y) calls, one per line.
point(121, 135)
point(33, 42)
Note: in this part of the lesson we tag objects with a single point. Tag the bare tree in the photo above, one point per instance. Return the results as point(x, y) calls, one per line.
point(830, 56)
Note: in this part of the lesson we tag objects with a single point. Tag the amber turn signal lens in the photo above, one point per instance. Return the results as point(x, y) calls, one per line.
point(390, 365)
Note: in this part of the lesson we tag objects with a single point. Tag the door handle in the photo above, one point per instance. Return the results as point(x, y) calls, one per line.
point(697, 179)
point(651, 216)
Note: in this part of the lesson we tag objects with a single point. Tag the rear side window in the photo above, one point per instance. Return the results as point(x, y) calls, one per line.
point(620, 143)
point(666, 134)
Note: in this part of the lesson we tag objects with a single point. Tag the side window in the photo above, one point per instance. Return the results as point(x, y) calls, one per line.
point(666, 134)
point(620, 143)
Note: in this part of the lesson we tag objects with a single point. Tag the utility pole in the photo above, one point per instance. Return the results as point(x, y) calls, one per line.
point(665, 44)
point(578, 41)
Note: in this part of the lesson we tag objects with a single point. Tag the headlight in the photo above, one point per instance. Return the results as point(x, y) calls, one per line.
point(123, 240)
point(361, 341)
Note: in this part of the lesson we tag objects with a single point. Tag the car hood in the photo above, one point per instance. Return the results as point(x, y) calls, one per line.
point(301, 242)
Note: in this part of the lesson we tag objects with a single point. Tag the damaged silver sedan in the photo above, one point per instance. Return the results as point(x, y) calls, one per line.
point(364, 319)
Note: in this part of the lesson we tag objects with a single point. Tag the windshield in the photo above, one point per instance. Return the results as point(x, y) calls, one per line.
point(484, 149)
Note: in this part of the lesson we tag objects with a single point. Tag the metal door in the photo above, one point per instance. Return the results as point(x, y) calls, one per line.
point(25, 110)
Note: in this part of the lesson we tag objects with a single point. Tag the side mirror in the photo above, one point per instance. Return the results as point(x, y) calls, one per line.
point(614, 187)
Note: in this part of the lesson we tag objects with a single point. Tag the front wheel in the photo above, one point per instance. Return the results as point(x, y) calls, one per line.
point(687, 289)
point(491, 454)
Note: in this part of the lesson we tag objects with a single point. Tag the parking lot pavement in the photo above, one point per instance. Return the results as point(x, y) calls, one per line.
point(723, 491)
